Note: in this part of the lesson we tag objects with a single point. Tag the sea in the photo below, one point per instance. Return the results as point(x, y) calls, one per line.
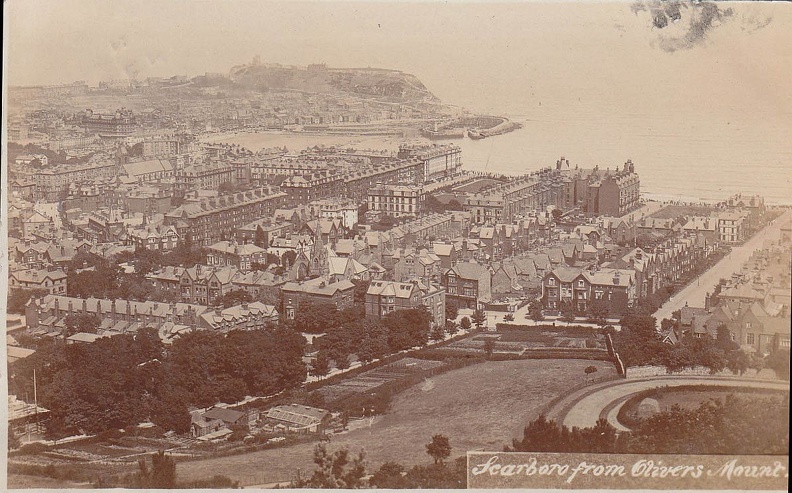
point(684, 166)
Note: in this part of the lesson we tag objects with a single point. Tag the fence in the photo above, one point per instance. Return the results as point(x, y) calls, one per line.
point(697, 371)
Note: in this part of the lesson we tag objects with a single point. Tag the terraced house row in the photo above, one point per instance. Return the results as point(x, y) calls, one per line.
point(214, 219)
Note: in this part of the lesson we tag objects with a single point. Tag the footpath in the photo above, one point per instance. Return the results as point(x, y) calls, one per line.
point(583, 407)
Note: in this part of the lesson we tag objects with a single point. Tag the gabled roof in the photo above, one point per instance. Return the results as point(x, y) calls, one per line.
point(469, 270)
point(486, 232)
point(38, 276)
point(688, 313)
point(391, 288)
point(741, 291)
point(298, 415)
point(235, 248)
point(611, 277)
point(776, 325)
point(315, 287)
point(566, 274)
point(556, 255)
point(144, 167)
point(443, 249)
point(225, 415)
point(83, 337)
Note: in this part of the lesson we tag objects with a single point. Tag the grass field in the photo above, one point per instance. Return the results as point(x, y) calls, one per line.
point(478, 407)
point(23, 481)
point(674, 211)
point(476, 186)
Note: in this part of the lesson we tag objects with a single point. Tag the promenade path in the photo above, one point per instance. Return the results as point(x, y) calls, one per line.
point(584, 407)
point(694, 293)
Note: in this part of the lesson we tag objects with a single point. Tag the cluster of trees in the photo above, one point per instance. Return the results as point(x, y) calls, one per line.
point(348, 332)
point(344, 470)
point(733, 425)
point(638, 343)
point(18, 298)
point(432, 204)
point(90, 275)
point(161, 475)
point(146, 261)
point(120, 381)
point(15, 150)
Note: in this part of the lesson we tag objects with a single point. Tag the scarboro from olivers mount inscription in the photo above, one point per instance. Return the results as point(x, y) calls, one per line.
point(622, 471)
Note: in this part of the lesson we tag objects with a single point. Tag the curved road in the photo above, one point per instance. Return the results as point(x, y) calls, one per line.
point(585, 412)
point(694, 293)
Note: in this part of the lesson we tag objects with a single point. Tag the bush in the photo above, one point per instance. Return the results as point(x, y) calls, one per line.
point(217, 481)
point(31, 449)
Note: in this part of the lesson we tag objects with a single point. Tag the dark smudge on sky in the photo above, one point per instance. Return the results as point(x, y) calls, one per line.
point(700, 18)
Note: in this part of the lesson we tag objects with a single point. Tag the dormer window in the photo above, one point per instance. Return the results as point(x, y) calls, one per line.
point(551, 282)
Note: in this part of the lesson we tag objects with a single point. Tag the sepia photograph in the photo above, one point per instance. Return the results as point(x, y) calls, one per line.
point(398, 244)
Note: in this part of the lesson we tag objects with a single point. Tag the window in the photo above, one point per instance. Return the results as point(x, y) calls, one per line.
point(748, 326)
point(750, 339)
point(551, 282)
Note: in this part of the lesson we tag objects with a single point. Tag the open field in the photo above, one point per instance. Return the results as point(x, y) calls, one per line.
point(476, 186)
point(520, 338)
point(478, 407)
point(674, 211)
point(372, 379)
point(23, 481)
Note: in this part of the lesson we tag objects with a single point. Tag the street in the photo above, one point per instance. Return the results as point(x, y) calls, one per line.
point(695, 292)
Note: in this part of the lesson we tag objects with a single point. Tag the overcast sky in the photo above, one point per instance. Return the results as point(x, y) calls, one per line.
point(472, 54)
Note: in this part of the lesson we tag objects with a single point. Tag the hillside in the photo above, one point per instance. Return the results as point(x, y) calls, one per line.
point(383, 85)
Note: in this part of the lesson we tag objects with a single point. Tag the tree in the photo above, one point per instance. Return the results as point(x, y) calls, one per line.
point(389, 476)
point(226, 187)
point(288, 258)
point(439, 448)
point(438, 476)
point(359, 293)
point(489, 346)
point(407, 328)
point(590, 370)
point(778, 361)
point(599, 312)
point(437, 333)
point(315, 318)
point(542, 435)
point(18, 298)
point(162, 474)
point(235, 297)
point(451, 327)
point(724, 339)
point(465, 323)
point(509, 317)
point(557, 214)
point(567, 312)
point(478, 318)
point(320, 366)
point(81, 322)
point(336, 470)
point(55, 429)
point(536, 314)
point(451, 310)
